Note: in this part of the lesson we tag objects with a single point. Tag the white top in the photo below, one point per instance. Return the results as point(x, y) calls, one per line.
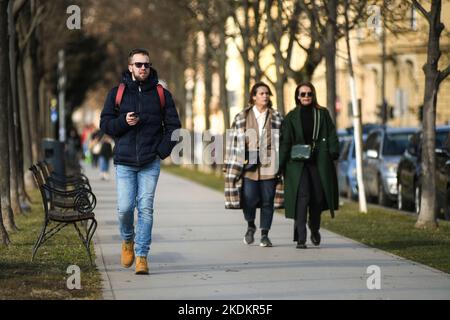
point(260, 118)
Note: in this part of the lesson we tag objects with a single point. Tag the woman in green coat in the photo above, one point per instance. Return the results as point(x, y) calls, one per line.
point(309, 145)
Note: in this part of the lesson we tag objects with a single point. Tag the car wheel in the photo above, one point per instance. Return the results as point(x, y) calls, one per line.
point(382, 196)
point(417, 199)
point(399, 197)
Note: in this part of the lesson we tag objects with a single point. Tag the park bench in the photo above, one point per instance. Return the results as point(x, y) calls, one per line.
point(66, 182)
point(63, 207)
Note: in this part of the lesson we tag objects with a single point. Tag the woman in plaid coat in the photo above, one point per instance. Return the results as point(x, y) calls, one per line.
point(251, 166)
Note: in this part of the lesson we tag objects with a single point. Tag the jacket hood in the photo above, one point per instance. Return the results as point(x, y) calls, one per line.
point(148, 84)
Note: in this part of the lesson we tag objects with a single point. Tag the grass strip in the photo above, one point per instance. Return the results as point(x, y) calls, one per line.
point(46, 277)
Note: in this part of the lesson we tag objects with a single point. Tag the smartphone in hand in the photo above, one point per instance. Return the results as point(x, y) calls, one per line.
point(135, 114)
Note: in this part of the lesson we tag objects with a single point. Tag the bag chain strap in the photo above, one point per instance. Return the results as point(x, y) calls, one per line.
point(316, 127)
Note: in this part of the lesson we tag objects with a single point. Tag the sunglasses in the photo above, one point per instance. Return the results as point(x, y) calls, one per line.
point(306, 94)
point(140, 64)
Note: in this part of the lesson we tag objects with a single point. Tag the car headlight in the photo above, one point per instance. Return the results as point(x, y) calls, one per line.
point(390, 168)
point(392, 185)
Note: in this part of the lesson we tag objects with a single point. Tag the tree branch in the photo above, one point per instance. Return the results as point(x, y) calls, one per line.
point(17, 6)
point(444, 74)
point(419, 7)
point(37, 19)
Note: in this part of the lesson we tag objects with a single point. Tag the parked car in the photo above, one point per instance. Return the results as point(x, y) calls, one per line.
point(410, 175)
point(382, 152)
point(347, 180)
point(347, 169)
point(348, 184)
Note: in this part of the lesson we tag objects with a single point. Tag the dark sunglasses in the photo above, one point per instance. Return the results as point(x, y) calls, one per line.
point(306, 94)
point(140, 64)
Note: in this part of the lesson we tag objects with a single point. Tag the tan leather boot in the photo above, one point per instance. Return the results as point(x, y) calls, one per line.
point(127, 257)
point(141, 265)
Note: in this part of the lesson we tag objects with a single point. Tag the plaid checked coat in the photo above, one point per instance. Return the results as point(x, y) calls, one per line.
point(235, 157)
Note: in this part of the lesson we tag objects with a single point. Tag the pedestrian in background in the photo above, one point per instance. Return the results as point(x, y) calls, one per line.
point(95, 147)
point(106, 153)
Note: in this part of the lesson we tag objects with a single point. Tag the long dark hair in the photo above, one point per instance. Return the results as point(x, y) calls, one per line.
point(313, 90)
point(253, 93)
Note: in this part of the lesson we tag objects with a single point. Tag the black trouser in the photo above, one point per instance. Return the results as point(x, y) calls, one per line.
point(310, 195)
point(259, 193)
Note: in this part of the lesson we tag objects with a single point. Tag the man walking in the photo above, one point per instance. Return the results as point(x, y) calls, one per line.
point(140, 115)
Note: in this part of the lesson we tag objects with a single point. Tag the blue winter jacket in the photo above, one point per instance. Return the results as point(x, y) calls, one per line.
point(140, 144)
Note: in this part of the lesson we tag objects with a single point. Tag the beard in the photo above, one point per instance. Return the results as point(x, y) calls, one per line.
point(140, 77)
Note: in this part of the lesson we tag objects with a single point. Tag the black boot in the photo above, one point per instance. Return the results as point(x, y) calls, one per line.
point(315, 237)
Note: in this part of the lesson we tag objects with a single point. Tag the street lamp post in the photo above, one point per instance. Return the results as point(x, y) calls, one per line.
point(382, 31)
point(61, 96)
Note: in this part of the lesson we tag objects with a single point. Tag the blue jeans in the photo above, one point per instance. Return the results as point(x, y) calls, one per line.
point(259, 194)
point(136, 188)
point(103, 163)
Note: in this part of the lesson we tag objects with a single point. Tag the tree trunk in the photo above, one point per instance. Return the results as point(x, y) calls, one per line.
point(13, 119)
point(29, 65)
point(3, 101)
point(276, 42)
point(330, 59)
point(247, 78)
point(44, 108)
point(223, 79)
point(7, 214)
point(194, 76)
point(3, 233)
point(16, 110)
point(427, 216)
point(31, 96)
point(21, 175)
point(23, 196)
point(279, 89)
point(180, 84)
point(25, 129)
point(207, 74)
point(14, 191)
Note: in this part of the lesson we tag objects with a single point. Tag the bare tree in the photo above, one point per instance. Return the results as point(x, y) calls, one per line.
point(249, 18)
point(433, 79)
point(13, 10)
point(274, 30)
point(3, 107)
point(13, 123)
point(210, 18)
point(7, 213)
point(30, 17)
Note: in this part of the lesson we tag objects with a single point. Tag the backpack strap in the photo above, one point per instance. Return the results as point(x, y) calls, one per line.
point(162, 98)
point(119, 95)
point(121, 89)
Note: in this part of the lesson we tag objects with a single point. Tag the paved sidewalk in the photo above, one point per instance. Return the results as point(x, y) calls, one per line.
point(197, 253)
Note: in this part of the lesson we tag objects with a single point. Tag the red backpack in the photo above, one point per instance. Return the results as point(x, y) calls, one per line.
point(121, 89)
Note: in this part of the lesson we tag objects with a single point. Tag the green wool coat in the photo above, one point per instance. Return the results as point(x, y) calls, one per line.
point(327, 151)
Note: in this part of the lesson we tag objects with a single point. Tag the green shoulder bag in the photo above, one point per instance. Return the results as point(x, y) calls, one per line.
point(304, 151)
